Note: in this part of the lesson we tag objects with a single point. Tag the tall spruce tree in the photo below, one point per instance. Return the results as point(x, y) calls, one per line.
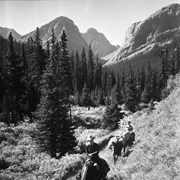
point(65, 62)
point(84, 66)
point(13, 84)
point(86, 97)
point(111, 117)
point(163, 74)
point(90, 69)
point(132, 100)
point(56, 135)
point(77, 73)
point(177, 59)
point(147, 93)
point(116, 93)
point(36, 65)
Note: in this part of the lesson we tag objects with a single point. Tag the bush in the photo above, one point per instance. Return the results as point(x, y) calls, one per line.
point(2, 137)
point(4, 164)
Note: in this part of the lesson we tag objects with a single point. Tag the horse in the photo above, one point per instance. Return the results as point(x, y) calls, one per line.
point(89, 171)
point(129, 138)
point(117, 144)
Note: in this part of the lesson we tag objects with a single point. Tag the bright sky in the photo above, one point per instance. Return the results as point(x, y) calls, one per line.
point(111, 17)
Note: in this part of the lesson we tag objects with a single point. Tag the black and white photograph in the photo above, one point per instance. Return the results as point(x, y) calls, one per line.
point(89, 89)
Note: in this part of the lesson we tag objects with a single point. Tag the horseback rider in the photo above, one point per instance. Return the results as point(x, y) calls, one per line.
point(92, 150)
point(129, 127)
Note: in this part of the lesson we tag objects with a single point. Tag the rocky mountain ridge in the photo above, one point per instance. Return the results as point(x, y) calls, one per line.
point(159, 30)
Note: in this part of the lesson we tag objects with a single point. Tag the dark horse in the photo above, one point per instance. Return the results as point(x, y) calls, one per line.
point(116, 149)
point(129, 139)
point(122, 143)
point(89, 171)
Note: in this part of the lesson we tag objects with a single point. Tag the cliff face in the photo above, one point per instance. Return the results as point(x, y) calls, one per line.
point(99, 43)
point(159, 29)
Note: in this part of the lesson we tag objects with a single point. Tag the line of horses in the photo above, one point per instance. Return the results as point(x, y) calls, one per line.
point(117, 145)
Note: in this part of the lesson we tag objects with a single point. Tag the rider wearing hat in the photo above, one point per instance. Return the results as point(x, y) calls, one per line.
point(129, 126)
point(93, 151)
point(92, 148)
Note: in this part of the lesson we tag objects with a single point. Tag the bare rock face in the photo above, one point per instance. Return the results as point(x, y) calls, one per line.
point(75, 39)
point(159, 29)
point(4, 32)
point(99, 43)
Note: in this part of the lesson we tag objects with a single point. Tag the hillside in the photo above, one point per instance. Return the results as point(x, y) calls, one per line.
point(144, 39)
point(155, 154)
point(75, 40)
point(99, 43)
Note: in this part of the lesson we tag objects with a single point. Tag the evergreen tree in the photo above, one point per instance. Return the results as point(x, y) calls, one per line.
point(116, 93)
point(77, 74)
point(100, 98)
point(96, 73)
point(104, 81)
point(84, 66)
point(177, 59)
point(163, 76)
point(155, 90)
point(147, 93)
point(111, 117)
point(90, 69)
point(86, 98)
point(65, 62)
point(123, 89)
point(36, 66)
point(13, 84)
point(72, 64)
point(132, 100)
point(24, 77)
point(56, 135)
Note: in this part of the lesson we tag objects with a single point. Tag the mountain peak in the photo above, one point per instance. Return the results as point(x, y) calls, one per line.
point(4, 32)
point(92, 30)
point(75, 40)
point(99, 43)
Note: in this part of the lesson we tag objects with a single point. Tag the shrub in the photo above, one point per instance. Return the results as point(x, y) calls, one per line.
point(2, 137)
point(4, 164)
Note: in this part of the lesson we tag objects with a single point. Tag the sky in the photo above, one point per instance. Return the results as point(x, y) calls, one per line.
point(110, 17)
